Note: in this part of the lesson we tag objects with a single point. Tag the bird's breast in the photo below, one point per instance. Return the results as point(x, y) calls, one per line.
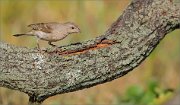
point(53, 37)
point(58, 36)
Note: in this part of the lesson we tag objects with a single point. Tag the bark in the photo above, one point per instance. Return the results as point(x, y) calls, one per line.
point(119, 50)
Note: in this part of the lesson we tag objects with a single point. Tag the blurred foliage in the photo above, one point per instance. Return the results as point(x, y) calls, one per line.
point(93, 17)
point(136, 95)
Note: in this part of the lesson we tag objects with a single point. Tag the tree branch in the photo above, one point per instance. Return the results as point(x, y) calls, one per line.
point(82, 65)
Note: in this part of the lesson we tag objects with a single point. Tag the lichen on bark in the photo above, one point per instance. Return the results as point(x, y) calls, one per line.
point(119, 50)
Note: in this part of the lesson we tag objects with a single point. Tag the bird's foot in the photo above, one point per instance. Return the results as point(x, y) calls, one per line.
point(51, 50)
point(56, 49)
point(41, 50)
point(50, 43)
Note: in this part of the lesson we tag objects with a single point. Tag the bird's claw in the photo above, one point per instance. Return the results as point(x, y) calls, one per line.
point(56, 49)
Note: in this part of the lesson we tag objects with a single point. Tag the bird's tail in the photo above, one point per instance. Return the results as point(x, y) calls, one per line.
point(17, 35)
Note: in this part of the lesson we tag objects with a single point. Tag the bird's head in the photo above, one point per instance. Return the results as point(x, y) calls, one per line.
point(72, 28)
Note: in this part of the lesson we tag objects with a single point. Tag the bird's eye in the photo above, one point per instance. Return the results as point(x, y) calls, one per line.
point(72, 27)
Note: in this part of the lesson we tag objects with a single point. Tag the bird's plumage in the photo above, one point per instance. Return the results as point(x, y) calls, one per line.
point(44, 27)
point(52, 31)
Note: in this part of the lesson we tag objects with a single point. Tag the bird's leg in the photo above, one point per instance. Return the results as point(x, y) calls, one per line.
point(38, 46)
point(51, 44)
point(55, 47)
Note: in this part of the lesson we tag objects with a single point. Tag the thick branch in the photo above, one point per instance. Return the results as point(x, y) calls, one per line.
point(77, 66)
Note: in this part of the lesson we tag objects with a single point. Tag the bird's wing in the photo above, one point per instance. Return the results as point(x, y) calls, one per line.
point(45, 27)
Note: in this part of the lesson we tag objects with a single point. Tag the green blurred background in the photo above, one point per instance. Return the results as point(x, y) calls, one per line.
point(149, 84)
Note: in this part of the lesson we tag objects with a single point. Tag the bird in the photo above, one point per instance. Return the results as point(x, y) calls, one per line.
point(51, 31)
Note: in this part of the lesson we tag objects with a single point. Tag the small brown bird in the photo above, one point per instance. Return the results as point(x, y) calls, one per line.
point(51, 31)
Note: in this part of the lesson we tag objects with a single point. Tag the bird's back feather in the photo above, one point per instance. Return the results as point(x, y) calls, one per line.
point(44, 27)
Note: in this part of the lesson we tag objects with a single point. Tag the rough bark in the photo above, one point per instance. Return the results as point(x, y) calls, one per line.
point(82, 65)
